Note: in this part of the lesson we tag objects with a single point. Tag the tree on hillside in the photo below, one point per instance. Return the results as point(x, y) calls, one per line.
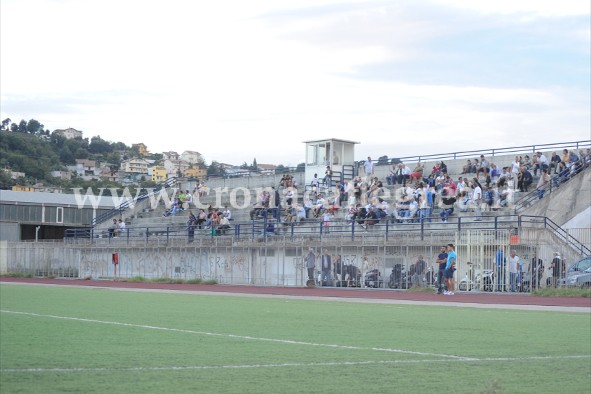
point(254, 166)
point(22, 126)
point(34, 127)
point(215, 169)
point(5, 124)
point(99, 145)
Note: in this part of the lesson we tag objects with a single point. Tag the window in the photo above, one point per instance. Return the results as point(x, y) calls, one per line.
point(59, 215)
point(311, 154)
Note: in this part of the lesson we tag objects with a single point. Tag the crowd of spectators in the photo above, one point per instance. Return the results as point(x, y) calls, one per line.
point(410, 195)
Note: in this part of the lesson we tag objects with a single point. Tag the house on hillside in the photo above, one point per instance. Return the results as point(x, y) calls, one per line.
point(171, 155)
point(158, 174)
point(135, 166)
point(267, 169)
point(175, 168)
point(141, 149)
point(195, 172)
point(88, 167)
point(69, 133)
point(191, 157)
point(65, 175)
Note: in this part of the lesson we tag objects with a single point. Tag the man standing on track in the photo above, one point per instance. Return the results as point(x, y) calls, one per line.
point(442, 262)
point(450, 267)
point(310, 264)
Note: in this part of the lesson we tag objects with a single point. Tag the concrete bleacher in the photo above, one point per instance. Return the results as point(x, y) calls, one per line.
point(154, 216)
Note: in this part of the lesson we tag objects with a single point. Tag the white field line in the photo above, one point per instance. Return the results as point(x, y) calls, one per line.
point(285, 341)
point(282, 365)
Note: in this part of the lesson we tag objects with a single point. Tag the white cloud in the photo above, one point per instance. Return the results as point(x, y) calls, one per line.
point(237, 80)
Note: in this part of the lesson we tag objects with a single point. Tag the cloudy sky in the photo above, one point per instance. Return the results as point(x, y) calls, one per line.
point(237, 80)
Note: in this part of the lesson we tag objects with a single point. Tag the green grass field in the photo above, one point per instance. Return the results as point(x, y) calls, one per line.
point(55, 339)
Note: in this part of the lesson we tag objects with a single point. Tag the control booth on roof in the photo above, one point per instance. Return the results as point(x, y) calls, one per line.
point(336, 153)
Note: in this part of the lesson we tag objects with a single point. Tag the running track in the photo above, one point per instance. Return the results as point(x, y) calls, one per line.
point(497, 299)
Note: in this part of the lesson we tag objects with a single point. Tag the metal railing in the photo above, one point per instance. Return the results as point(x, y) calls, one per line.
point(266, 230)
point(130, 203)
point(488, 152)
point(532, 197)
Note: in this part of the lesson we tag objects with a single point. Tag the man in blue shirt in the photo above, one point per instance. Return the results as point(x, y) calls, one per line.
point(501, 261)
point(450, 267)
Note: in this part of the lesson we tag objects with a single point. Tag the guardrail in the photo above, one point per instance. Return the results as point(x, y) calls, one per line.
point(266, 230)
point(487, 152)
point(127, 204)
point(556, 181)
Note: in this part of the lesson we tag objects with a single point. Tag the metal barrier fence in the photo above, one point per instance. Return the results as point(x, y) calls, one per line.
point(401, 262)
point(352, 230)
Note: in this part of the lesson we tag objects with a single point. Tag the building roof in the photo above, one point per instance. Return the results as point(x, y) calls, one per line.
point(59, 199)
point(331, 140)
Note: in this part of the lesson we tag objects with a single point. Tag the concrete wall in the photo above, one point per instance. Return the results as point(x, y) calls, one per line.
point(277, 263)
point(570, 200)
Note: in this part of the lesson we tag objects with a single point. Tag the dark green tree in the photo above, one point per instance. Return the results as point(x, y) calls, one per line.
point(5, 124)
point(34, 127)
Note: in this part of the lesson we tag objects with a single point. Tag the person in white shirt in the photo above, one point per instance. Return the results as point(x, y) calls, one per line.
point(541, 163)
point(121, 226)
point(300, 213)
point(514, 271)
point(223, 225)
point(477, 199)
point(227, 213)
point(461, 185)
point(368, 167)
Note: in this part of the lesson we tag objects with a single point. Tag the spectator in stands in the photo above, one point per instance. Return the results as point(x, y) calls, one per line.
point(554, 163)
point(543, 183)
point(326, 220)
point(423, 207)
point(227, 213)
point(318, 206)
point(368, 167)
point(464, 201)
point(564, 162)
point(314, 183)
point(447, 205)
point(113, 229)
point(484, 165)
point(391, 177)
point(289, 196)
point(308, 206)
point(341, 195)
point(255, 212)
point(371, 218)
point(223, 224)
point(525, 179)
point(417, 174)
point(121, 226)
point(527, 162)
point(503, 196)
point(477, 199)
point(436, 170)
point(489, 197)
point(383, 208)
point(300, 213)
point(191, 225)
point(515, 167)
point(541, 163)
point(461, 185)
point(201, 218)
point(468, 168)
point(495, 173)
point(328, 177)
point(406, 171)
